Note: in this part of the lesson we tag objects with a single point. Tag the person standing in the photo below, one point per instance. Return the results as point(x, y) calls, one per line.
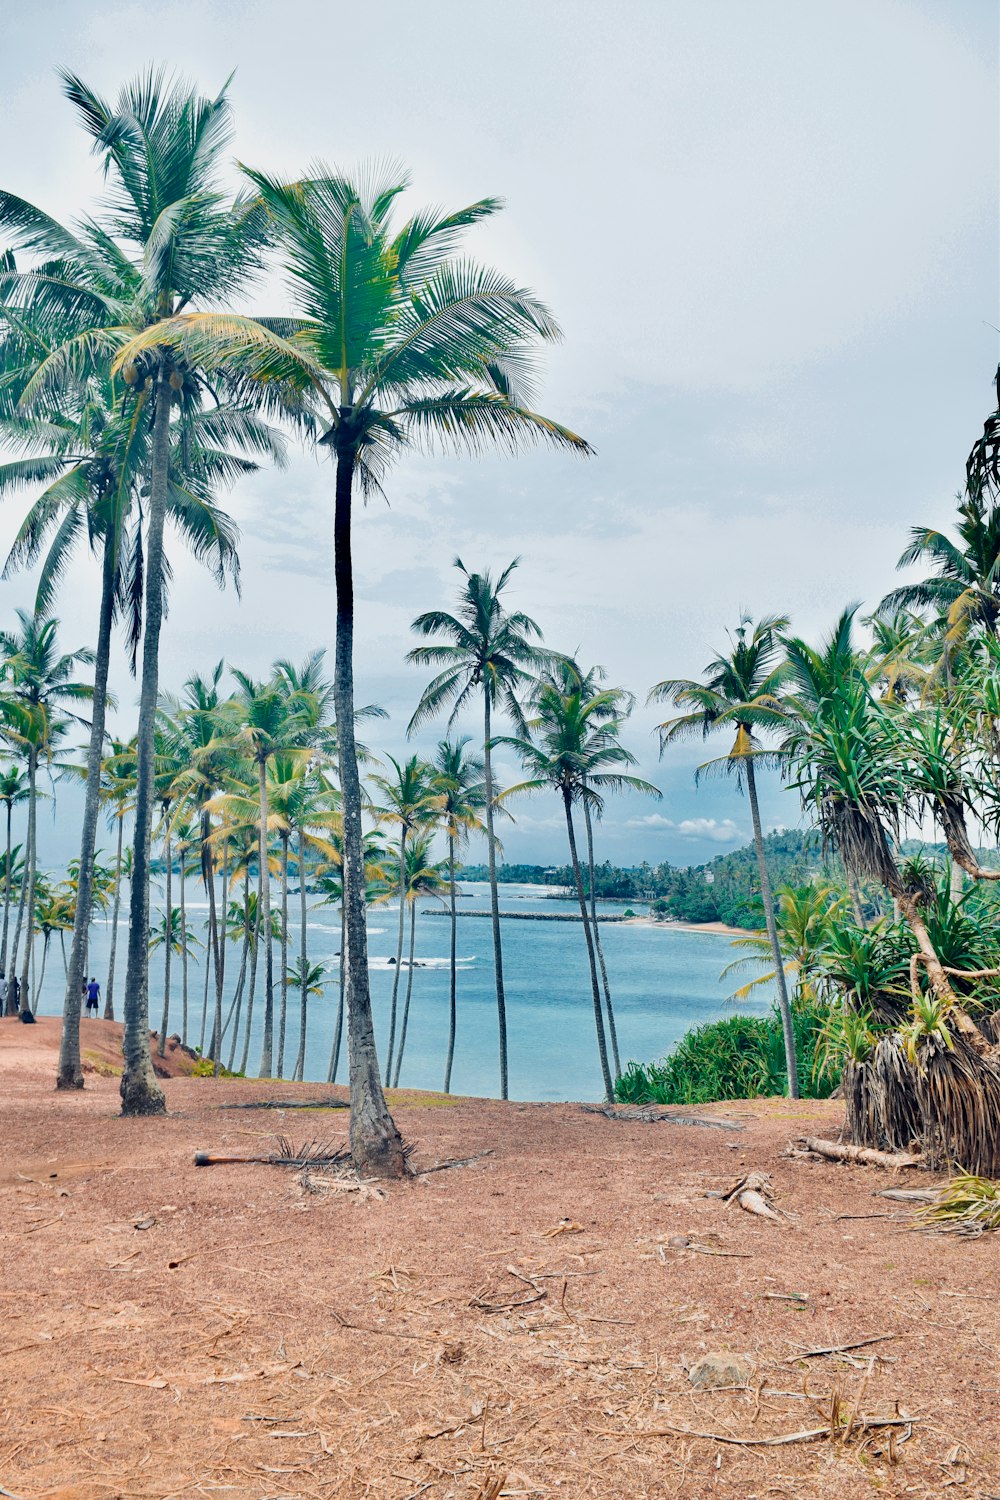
point(93, 996)
point(13, 995)
point(3, 994)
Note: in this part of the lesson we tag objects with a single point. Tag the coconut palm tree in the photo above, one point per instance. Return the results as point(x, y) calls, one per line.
point(740, 690)
point(40, 686)
point(271, 722)
point(458, 781)
point(410, 800)
point(398, 343)
point(574, 751)
point(13, 791)
point(964, 586)
point(486, 651)
point(163, 146)
point(421, 878)
point(117, 794)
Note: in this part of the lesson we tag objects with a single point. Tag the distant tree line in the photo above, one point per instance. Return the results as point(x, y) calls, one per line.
point(726, 889)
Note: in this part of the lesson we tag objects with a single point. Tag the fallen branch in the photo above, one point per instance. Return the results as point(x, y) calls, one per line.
point(807, 1435)
point(310, 1154)
point(909, 1195)
point(445, 1166)
point(863, 1156)
point(658, 1116)
point(878, 1338)
point(289, 1104)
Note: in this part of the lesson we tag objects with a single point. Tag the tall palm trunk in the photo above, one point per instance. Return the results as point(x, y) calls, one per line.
point(6, 893)
point(494, 897)
point(602, 1046)
point(168, 946)
point(220, 971)
point(300, 1061)
point(28, 907)
point(254, 955)
point(69, 1074)
point(141, 1094)
point(375, 1142)
point(283, 1008)
point(409, 992)
point(399, 956)
point(338, 1033)
point(109, 993)
point(184, 954)
point(267, 1046)
point(612, 1028)
point(212, 955)
point(204, 994)
point(241, 981)
point(41, 977)
point(453, 966)
point(784, 1006)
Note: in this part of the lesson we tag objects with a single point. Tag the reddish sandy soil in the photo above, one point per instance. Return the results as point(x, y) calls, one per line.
point(520, 1326)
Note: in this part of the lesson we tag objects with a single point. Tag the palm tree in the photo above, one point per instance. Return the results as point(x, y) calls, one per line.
point(271, 721)
point(13, 791)
point(398, 343)
point(741, 691)
point(964, 587)
point(574, 750)
point(421, 877)
point(458, 782)
point(117, 793)
point(805, 916)
point(53, 913)
point(39, 684)
point(620, 704)
point(411, 801)
point(163, 146)
point(486, 650)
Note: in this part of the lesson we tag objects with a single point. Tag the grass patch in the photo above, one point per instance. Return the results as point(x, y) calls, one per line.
point(95, 1063)
point(741, 1057)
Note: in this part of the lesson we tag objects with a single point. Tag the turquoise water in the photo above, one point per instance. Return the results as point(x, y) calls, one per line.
point(663, 981)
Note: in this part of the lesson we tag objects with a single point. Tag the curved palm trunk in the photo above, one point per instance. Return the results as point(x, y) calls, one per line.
point(409, 992)
point(375, 1142)
point(41, 977)
point(399, 956)
point(602, 1046)
point(453, 967)
point(254, 955)
point(612, 1029)
point(242, 979)
point(69, 1074)
point(283, 1009)
point(494, 897)
point(6, 894)
point(168, 947)
point(267, 1046)
point(184, 955)
point(331, 1076)
point(109, 994)
point(28, 908)
point(141, 1094)
point(220, 972)
point(300, 1061)
point(784, 1006)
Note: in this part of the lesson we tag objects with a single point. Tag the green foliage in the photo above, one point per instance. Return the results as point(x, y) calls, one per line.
point(741, 1057)
point(205, 1068)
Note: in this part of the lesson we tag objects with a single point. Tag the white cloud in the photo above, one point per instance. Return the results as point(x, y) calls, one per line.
point(717, 831)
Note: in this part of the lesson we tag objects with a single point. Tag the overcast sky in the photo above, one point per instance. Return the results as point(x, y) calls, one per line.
point(770, 232)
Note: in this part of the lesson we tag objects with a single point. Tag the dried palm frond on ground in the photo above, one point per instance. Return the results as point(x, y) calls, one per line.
point(755, 1194)
point(968, 1205)
point(309, 1154)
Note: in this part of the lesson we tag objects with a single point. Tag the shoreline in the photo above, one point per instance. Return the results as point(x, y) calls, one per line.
point(719, 929)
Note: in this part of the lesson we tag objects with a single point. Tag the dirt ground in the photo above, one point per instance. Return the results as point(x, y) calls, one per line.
point(519, 1326)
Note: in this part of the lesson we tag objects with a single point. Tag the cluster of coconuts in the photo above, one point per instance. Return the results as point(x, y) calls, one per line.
point(141, 372)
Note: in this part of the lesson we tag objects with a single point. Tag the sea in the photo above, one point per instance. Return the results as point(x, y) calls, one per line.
point(664, 980)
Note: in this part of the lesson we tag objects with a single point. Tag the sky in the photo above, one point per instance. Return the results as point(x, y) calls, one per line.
point(770, 235)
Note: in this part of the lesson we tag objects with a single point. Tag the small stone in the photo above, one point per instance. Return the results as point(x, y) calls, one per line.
point(715, 1370)
point(678, 1242)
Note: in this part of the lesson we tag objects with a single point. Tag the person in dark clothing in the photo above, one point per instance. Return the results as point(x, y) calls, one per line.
point(13, 995)
point(93, 996)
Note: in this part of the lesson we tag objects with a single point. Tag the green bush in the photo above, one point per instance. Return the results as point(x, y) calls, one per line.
point(742, 1057)
point(205, 1068)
